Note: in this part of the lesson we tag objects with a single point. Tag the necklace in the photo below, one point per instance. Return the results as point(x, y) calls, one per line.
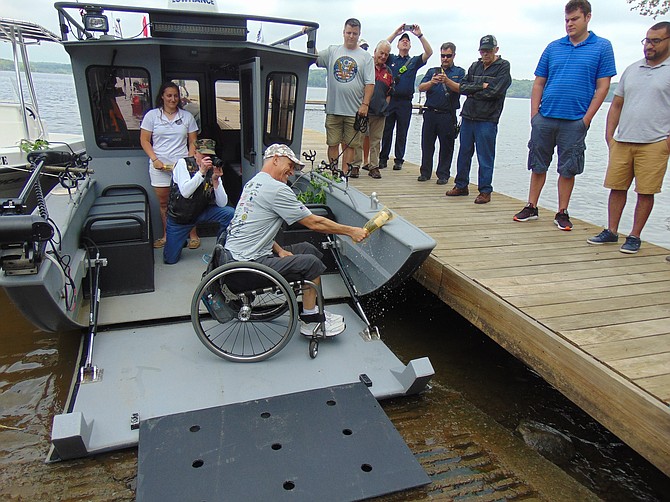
point(169, 113)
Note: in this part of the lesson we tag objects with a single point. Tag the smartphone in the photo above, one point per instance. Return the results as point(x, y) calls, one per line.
point(408, 27)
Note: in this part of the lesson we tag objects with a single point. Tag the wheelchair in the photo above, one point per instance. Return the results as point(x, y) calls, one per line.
point(248, 312)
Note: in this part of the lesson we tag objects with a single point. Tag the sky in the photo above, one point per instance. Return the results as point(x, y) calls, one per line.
point(522, 28)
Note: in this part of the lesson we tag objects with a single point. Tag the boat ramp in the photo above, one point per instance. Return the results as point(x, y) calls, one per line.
point(593, 322)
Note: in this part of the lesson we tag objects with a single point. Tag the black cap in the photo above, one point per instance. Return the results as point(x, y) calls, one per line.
point(488, 42)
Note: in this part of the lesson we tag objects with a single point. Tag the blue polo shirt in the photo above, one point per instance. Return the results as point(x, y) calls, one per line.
point(439, 96)
point(404, 87)
point(571, 72)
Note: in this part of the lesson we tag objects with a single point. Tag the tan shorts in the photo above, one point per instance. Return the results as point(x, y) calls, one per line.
point(646, 162)
point(340, 129)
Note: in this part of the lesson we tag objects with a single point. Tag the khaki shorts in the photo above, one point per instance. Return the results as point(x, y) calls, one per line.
point(646, 162)
point(340, 129)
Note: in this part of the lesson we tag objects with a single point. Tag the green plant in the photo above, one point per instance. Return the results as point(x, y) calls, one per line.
point(316, 193)
point(32, 146)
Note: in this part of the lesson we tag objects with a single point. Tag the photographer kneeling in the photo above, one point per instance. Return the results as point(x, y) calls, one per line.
point(196, 183)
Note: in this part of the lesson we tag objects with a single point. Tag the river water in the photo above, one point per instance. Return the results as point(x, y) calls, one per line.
point(479, 396)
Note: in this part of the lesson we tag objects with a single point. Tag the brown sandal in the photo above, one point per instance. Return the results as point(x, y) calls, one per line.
point(194, 243)
point(159, 243)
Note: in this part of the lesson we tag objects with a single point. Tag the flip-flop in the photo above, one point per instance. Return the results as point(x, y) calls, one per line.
point(159, 243)
point(194, 243)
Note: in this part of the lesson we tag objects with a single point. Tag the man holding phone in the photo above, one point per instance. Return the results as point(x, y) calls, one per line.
point(404, 68)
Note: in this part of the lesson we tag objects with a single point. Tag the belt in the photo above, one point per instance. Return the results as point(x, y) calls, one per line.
point(437, 110)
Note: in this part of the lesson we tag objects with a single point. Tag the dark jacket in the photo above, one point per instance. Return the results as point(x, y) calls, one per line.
point(485, 105)
point(185, 210)
point(383, 85)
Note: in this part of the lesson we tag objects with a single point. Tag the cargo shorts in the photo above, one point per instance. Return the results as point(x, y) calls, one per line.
point(567, 136)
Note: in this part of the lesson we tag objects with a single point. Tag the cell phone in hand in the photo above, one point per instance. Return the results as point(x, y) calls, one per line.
point(408, 27)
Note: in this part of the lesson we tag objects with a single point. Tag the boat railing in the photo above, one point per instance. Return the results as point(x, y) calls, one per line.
point(175, 24)
point(21, 34)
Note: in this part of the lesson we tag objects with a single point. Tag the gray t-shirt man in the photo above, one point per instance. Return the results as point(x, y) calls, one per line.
point(264, 204)
point(349, 71)
point(644, 116)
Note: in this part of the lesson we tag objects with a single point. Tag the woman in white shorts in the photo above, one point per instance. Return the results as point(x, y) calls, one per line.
point(167, 134)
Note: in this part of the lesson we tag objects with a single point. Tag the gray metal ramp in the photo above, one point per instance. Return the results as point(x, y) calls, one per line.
point(159, 370)
point(333, 443)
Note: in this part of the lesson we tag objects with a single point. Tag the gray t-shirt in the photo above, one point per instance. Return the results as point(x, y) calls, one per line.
point(264, 204)
point(645, 116)
point(349, 71)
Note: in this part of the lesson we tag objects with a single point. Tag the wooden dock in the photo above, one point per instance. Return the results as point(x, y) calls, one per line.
point(592, 321)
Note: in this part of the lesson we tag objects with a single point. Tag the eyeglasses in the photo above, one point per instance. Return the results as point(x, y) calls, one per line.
point(446, 55)
point(653, 41)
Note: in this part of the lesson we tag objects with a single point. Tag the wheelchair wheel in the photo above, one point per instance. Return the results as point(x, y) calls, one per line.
point(244, 311)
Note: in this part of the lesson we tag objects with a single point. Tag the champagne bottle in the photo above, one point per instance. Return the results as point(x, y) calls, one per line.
point(379, 220)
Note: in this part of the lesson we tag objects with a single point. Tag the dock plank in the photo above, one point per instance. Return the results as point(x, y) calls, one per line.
point(592, 321)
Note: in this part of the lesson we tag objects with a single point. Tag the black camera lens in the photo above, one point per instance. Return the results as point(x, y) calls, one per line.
point(216, 162)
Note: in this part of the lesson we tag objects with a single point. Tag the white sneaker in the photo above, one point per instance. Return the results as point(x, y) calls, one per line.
point(336, 318)
point(333, 328)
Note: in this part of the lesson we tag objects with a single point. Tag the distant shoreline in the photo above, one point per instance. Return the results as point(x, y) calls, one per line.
point(317, 77)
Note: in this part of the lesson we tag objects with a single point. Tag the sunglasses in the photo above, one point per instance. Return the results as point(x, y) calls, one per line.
point(446, 55)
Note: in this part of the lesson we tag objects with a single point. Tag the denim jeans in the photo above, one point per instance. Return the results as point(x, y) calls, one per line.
point(399, 116)
point(176, 233)
point(437, 126)
point(482, 136)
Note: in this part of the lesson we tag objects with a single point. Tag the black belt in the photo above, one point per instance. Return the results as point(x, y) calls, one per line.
point(437, 110)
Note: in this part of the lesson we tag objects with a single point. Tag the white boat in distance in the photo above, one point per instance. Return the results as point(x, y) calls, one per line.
point(20, 118)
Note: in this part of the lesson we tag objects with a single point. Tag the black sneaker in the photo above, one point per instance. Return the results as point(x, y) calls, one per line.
point(527, 213)
point(562, 221)
point(382, 164)
point(422, 178)
point(397, 165)
point(632, 245)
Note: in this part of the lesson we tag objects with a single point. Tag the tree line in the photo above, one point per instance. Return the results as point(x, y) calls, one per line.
point(518, 89)
point(317, 77)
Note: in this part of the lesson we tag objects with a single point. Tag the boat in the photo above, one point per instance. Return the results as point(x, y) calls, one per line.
point(83, 262)
point(21, 125)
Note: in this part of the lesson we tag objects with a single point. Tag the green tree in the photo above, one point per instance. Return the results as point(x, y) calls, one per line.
point(651, 8)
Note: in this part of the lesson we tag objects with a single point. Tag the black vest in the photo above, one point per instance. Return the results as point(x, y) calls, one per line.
point(185, 210)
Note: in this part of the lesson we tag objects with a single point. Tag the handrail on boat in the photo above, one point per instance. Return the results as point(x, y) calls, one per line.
point(66, 21)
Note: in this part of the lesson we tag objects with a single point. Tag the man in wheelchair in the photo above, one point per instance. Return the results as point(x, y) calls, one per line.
point(265, 203)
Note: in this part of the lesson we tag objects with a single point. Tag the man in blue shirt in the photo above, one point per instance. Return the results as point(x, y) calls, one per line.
point(572, 80)
point(439, 116)
point(404, 70)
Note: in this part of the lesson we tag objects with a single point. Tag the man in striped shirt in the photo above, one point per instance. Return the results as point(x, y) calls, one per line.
point(572, 80)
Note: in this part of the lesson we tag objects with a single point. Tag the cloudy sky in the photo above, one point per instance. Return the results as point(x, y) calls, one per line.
point(522, 28)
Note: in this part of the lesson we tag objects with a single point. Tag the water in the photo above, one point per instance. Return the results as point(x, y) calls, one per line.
point(478, 386)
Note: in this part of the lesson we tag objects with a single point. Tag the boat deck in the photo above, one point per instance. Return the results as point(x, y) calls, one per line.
point(594, 322)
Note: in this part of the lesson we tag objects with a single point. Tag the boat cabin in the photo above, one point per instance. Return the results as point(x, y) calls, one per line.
point(241, 103)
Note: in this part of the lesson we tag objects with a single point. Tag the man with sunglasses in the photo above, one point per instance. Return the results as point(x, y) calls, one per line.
point(439, 116)
point(485, 86)
point(638, 136)
point(572, 80)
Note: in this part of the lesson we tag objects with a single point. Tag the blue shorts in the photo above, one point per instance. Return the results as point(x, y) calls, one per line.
point(568, 136)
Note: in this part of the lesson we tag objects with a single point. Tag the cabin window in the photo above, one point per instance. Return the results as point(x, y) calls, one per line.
point(227, 104)
point(280, 120)
point(119, 99)
point(189, 93)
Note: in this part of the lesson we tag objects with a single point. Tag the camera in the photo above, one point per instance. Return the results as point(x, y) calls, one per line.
point(216, 161)
point(408, 27)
